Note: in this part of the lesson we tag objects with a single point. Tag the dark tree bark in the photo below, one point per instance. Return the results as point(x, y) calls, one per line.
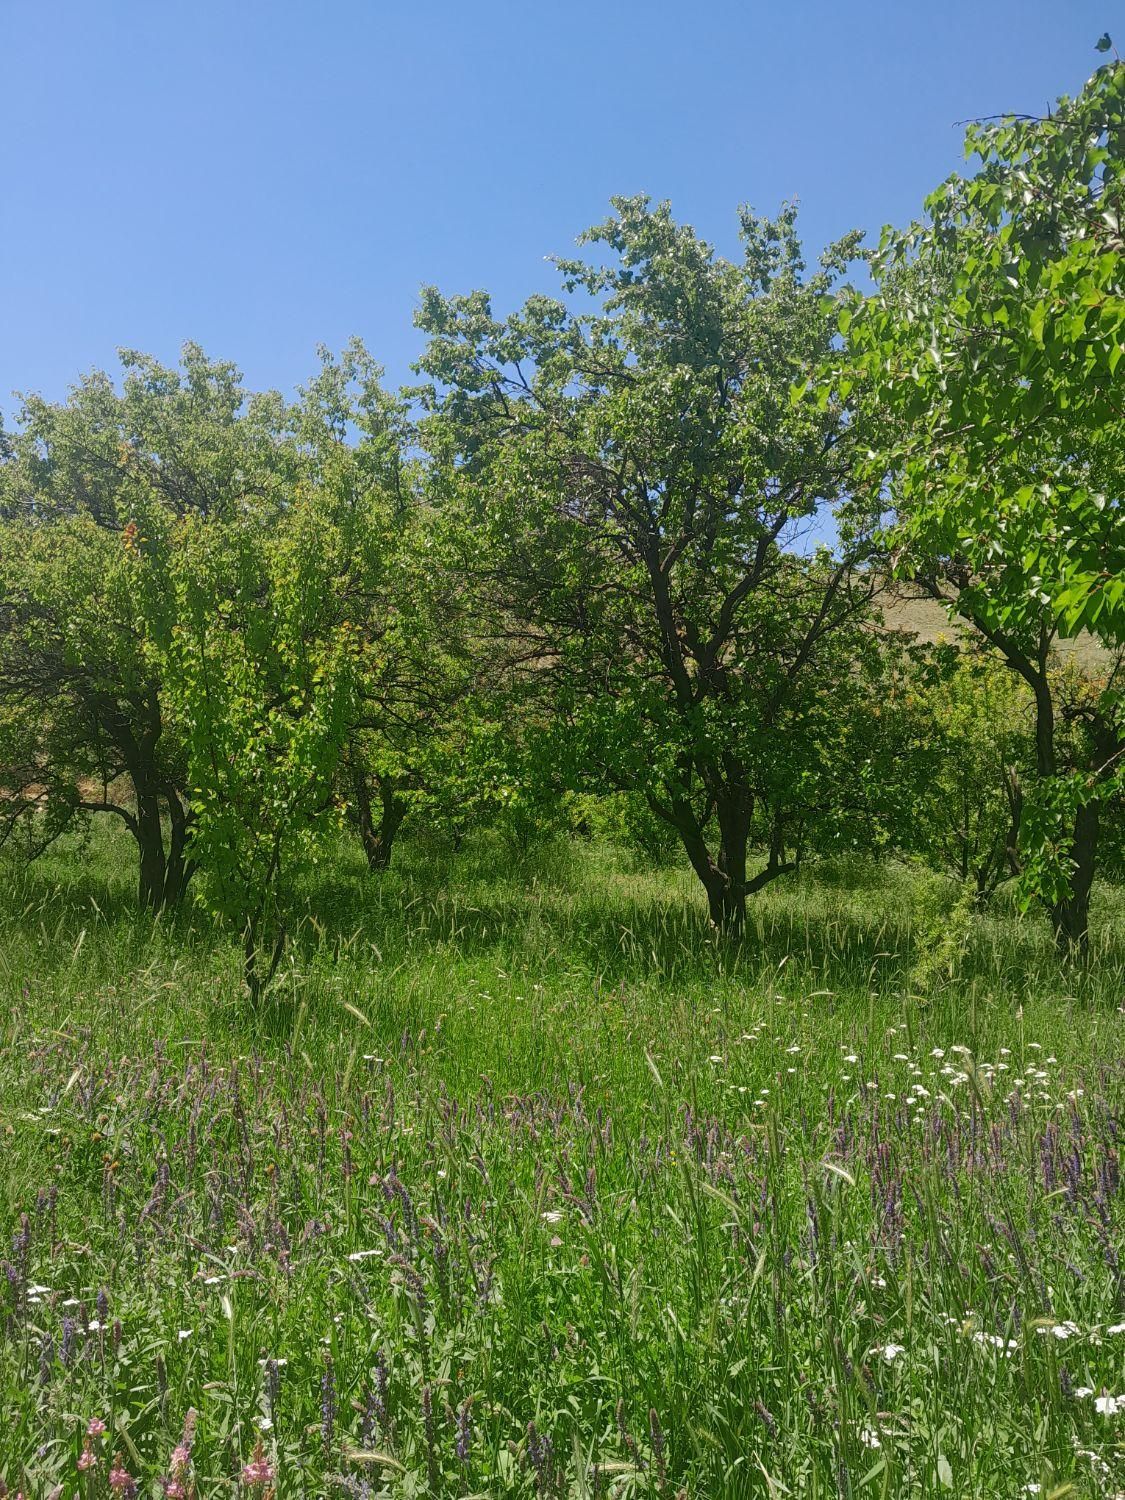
point(164, 866)
point(179, 867)
point(377, 837)
point(1071, 916)
point(723, 875)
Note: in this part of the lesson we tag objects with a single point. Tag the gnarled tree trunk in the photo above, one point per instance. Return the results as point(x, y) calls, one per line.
point(723, 874)
point(377, 837)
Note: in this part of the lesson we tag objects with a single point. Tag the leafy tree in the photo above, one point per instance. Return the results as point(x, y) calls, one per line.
point(641, 506)
point(419, 694)
point(85, 724)
point(282, 607)
point(260, 663)
point(987, 362)
point(973, 745)
point(191, 580)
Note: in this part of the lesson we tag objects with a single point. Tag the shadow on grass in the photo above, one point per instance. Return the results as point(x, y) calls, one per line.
point(845, 925)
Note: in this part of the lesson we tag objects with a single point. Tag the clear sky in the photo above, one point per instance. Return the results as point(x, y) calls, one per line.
point(265, 175)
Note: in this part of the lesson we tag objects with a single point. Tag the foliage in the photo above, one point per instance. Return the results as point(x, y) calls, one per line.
point(986, 365)
point(85, 725)
point(973, 746)
point(261, 668)
point(634, 488)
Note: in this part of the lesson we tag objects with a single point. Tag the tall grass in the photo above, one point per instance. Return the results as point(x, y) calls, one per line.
point(520, 1184)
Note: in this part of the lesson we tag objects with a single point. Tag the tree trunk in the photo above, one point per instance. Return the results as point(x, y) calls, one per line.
point(728, 906)
point(253, 977)
point(1070, 917)
point(150, 843)
point(377, 838)
point(165, 865)
point(179, 867)
point(724, 878)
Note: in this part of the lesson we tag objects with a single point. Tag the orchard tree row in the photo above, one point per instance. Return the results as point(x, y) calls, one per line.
point(646, 543)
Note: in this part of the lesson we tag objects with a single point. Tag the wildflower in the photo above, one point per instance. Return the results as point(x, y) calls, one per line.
point(95, 1427)
point(1064, 1330)
point(656, 1435)
point(121, 1482)
point(1007, 1347)
point(184, 1333)
point(1109, 1406)
point(87, 1458)
point(1116, 1328)
point(328, 1403)
point(540, 1448)
point(259, 1471)
point(869, 1438)
point(890, 1352)
point(465, 1431)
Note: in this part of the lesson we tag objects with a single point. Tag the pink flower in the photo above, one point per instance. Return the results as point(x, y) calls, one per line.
point(95, 1427)
point(121, 1482)
point(258, 1470)
point(87, 1458)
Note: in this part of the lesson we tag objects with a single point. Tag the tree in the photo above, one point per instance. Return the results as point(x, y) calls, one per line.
point(85, 724)
point(191, 579)
point(419, 694)
point(640, 505)
point(973, 744)
point(279, 608)
point(260, 662)
point(987, 362)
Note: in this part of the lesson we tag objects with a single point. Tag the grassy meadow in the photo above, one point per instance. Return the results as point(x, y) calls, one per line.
point(520, 1185)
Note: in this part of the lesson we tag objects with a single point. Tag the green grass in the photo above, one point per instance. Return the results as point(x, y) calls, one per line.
point(628, 1213)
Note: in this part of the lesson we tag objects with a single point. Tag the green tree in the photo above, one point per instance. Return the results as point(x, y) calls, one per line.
point(260, 662)
point(974, 744)
point(420, 693)
point(986, 364)
point(281, 608)
point(85, 724)
point(641, 507)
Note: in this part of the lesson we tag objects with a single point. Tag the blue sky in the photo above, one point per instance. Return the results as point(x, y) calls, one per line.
point(265, 175)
